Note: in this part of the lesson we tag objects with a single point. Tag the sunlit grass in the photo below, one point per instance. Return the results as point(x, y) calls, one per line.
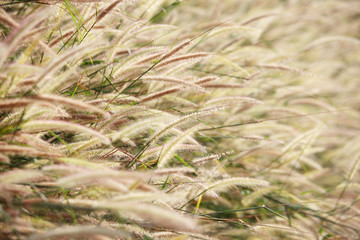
point(179, 119)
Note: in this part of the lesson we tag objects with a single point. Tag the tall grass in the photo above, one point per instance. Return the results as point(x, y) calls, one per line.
point(179, 119)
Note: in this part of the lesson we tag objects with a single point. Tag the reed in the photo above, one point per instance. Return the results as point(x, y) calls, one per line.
point(178, 119)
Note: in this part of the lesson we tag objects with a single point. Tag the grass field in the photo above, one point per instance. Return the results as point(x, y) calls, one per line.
point(179, 119)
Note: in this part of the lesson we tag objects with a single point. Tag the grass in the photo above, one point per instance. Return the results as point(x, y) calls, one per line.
point(179, 119)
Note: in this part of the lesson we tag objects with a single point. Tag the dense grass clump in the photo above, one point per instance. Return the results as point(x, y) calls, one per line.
point(179, 119)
